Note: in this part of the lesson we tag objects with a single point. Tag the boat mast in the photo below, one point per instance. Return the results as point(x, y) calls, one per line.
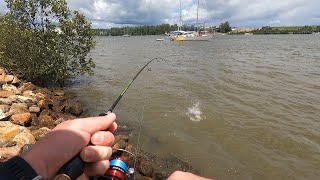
point(197, 17)
point(180, 14)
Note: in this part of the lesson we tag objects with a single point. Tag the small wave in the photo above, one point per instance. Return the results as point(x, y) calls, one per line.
point(194, 113)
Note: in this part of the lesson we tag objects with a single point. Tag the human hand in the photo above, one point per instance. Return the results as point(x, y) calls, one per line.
point(69, 138)
point(177, 175)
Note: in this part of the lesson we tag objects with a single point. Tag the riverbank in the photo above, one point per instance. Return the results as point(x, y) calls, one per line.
point(278, 30)
point(29, 112)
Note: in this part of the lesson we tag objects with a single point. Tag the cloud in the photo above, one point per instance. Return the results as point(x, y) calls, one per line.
point(241, 13)
point(3, 7)
point(266, 12)
point(126, 12)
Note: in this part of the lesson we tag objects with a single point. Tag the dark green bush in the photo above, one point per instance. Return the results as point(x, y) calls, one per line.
point(44, 41)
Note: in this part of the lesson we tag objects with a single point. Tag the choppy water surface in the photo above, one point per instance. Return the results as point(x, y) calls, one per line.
point(237, 107)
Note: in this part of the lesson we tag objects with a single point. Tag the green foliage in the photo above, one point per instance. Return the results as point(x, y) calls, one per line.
point(145, 30)
point(288, 30)
point(225, 27)
point(42, 40)
point(140, 30)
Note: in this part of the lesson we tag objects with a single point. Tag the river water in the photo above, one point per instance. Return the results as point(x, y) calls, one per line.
point(236, 107)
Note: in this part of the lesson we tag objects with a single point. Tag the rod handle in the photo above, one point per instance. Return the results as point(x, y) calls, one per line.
point(75, 167)
point(72, 169)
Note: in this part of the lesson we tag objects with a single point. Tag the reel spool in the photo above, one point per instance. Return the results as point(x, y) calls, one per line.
point(119, 167)
point(119, 170)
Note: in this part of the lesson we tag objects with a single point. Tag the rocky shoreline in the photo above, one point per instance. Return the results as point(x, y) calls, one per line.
point(28, 112)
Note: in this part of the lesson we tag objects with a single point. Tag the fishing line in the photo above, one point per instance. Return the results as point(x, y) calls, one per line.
point(75, 167)
point(141, 120)
point(117, 162)
point(136, 154)
point(140, 128)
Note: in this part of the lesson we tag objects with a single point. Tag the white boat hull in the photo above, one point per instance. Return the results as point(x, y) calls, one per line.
point(199, 38)
point(206, 37)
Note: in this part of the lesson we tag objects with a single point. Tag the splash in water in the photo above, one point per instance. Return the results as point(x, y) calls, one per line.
point(194, 113)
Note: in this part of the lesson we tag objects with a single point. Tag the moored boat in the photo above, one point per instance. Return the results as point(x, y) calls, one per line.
point(190, 36)
point(197, 35)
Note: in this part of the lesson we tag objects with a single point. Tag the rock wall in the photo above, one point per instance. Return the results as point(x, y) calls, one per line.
point(28, 112)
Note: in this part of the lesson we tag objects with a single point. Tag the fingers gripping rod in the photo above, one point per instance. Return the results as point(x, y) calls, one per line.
point(75, 167)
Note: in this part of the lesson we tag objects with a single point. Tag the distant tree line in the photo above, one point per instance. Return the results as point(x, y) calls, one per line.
point(140, 30)
point(156, 29)
point(288, 30)
point(278, 30)
point(136, 30)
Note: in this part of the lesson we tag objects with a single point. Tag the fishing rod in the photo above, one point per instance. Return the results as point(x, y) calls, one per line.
point(127, 87)
point(119, 169)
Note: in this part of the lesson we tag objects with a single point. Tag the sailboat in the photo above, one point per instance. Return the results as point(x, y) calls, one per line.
point(197, 35)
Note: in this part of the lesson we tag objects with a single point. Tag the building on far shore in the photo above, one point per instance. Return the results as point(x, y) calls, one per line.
point(243, 30)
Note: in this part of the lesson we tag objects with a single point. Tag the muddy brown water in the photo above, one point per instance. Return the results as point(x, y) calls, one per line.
point(236, 107)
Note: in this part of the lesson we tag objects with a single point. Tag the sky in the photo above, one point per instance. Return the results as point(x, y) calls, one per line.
point(240, 13)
